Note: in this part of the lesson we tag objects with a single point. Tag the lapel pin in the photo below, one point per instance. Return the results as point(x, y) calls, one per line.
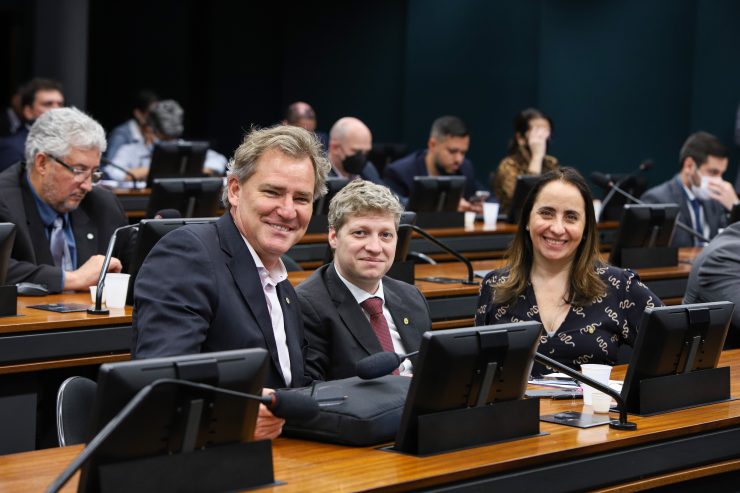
point(405, 321)
point(90, 236)
point(287, 300)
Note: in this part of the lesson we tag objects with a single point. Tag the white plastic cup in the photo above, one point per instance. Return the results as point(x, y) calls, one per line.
point(490, 213)
point(597, 209)
point(470, 219)
point(600, 373)
point(600, 402)
point(94, 292)
point(115, 290)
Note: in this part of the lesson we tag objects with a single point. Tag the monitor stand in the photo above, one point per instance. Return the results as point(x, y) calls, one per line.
point(672, 392)
point(444, 219)
point(639, 258)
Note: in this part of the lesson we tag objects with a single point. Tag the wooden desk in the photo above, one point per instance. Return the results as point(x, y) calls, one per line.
point(665, 449)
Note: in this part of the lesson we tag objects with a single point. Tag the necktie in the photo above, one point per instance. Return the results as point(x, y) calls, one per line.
point(696, 206)
point(57, 242)
point(374, 308)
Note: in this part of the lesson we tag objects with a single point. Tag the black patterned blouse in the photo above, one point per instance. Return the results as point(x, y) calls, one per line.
point(589, 334)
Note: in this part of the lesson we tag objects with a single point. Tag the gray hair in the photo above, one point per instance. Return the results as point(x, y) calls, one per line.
point(166, 117)
point(294, 142)
point(58, 130)
point(361, 197)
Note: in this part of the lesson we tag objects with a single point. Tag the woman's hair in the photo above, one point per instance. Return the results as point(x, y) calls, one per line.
point(521, 125)
point(585, 283)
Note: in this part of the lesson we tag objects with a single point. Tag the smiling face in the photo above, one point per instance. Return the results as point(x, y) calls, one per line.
point(272, 208)
point(365, 246)
point(557, 222)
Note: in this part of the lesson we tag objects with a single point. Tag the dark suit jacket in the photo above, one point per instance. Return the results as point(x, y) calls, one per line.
point(369, 173)
point(338, 332)
point(399, 175)
point(199, 291)
point(93, 223)
point(715, 276)
point(672, 192)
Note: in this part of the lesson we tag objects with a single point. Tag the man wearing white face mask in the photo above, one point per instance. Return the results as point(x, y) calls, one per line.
point(703, 196)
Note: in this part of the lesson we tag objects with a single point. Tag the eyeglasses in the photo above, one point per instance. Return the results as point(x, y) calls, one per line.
point(81, 174)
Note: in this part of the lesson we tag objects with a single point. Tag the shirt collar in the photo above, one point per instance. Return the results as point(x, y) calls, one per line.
point(136, 134)
point(358, 293)
point(274, 276)
point(686, 189)
point(47, 214)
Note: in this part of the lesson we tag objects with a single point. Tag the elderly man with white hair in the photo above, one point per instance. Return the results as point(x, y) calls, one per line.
point(63, 222)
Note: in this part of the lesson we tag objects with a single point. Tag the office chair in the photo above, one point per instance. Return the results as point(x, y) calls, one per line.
point(74, 407)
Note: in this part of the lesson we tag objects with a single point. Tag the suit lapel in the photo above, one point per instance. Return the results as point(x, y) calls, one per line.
point(84, 232)
point(350, 312)
point(244, 272)
point(407, 324)
point(293, 323)
point(36, 228)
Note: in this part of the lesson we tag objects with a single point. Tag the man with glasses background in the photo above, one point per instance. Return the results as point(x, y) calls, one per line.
point(63, 222)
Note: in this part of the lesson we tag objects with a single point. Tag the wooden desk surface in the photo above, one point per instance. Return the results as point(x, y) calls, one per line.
point(309, 466)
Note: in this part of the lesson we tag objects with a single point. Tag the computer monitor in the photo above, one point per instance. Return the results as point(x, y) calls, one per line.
point(177, 159)
point(150, 231)
point(436, 194)
point(159, 426)
point(7, 240)
point(524, 184)
point(672, 341)
point(466, 368)
point(734, 214)
point(193, 197)
point(644, 236)
point(634, 185)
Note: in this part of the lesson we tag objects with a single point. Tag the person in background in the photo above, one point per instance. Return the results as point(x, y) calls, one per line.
point(136, 129)
point(349, 143)
point(12, 118)
point(63, 222)
point(449, 141)
point(351, 309)
point(527, 154)
point(37, 97)
point(301, 114)
point(166, 121)
point(222, 285)
point(703, 197)
point(554, 275)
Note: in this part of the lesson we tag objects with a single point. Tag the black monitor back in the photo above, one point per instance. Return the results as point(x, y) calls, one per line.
point(177, 159)
point(643, 226)
point(436, 194)
point(634, 185)
point(193, 197)
point(333, 185)
point(734, 214)
point(150, 231)
point(381, 154)
point(524, 184)
point(7, 240)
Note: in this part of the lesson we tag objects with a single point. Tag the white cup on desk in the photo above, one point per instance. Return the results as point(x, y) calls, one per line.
point(115, 290)
point(94, 292)
point(600, 373)
point(490, 214)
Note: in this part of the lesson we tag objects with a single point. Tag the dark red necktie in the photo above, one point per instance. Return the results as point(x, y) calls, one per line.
point(374, 308)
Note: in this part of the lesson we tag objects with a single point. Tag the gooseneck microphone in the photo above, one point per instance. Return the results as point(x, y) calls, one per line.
point(380, 364)
point(283, 404)
point(110, 163)
point(619, 424)
point(605, 181)
point(454, 253)
point(98, 308)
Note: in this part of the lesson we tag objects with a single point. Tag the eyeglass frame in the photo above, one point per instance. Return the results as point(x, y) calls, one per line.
point(95, 174)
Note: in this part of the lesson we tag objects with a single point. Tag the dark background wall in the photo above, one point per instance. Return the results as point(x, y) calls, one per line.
point(623, 80)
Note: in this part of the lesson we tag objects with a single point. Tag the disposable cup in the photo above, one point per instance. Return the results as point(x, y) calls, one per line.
point(116, 287)
point(94, 292)
point(490, 213)
point(600, 373)
point(469, 219)
point(600, 402)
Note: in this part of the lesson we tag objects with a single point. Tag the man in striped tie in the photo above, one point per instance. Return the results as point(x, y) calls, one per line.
point(351, 309)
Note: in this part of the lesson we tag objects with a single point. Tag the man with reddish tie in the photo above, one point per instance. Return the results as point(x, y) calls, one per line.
point(350, 308)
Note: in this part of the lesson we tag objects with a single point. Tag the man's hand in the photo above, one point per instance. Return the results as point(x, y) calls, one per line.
point(139, 173)
point(723, 192)
point(465, 206)
point(88, 273)
point(268, 425)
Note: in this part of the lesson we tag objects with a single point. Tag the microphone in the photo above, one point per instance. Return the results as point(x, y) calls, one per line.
point(599, 178)
point(618, 424)
point(606, 181)
point(98, 309)
point(110, 163)
point(290, 405)
point(454, 253)
point(380, 364)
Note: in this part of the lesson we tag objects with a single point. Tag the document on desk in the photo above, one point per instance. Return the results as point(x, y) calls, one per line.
point(62, 307)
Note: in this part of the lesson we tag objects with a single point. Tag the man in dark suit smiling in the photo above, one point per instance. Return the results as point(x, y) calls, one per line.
point(350, 308)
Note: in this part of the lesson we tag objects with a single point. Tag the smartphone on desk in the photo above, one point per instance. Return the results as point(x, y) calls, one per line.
point(479, 197)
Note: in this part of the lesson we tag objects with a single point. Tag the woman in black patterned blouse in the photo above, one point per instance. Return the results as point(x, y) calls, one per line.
point(555, 276)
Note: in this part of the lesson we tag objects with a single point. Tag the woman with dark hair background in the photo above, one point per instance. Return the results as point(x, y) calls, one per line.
point(527, 154)
point(554, 275)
